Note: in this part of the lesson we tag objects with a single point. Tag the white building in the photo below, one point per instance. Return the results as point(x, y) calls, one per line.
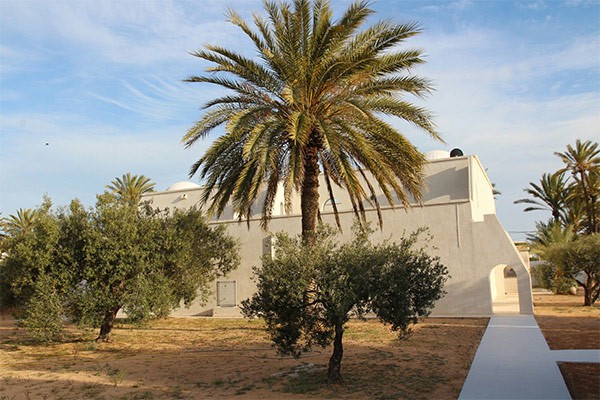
point(458, 208)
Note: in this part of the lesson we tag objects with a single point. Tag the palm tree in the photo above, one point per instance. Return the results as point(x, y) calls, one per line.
point(548, 234)
point(575, 212)
point(130, 188)
point(583, 161)
point(22, 221)
point(550, 194)
point(312, 101)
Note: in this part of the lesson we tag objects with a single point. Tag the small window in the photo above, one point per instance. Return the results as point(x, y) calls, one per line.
point(226, 293)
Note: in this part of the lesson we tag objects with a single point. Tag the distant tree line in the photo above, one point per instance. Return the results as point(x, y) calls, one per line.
point(569, 242)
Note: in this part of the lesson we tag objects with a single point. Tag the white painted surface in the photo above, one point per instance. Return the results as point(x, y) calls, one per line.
point(582, 356)
point(506, 305)
point(514, 361)
point(458, 209)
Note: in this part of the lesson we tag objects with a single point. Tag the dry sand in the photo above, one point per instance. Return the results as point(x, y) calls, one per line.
point(207, 358)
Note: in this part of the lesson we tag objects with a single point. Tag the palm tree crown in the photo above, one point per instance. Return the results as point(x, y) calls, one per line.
point(312, 101)
point(583, 161)
point(550, 194)
point(130, 188)
point(22, 221)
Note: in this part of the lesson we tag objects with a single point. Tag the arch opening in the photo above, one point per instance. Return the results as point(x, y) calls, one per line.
point(504, 290)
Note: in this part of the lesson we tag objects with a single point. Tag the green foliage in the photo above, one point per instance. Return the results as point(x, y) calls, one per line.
point(313, 97)
point(114, 256)
point(22, 221)
point(549, 277)
point(307, 293)
point(28, 254)
point(583, 162)
point(574, 200)
point(548, 234)
point(146, 261)
point(44, 311)
point(130, 188)
point(550, 194)
point(580, 261)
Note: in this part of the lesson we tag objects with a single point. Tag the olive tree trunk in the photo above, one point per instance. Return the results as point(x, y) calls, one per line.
point(591, 291)
point(334, 372)
point(107, 324)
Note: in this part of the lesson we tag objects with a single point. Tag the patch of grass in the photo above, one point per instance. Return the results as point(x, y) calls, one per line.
point(90, 391)
point(270, 381)
point(117, 376)
point(90, 347)
point(218, 382)
point(306, 382)
point(245, 389)
point(9, 347)
point(177, 393)
point(140, 396)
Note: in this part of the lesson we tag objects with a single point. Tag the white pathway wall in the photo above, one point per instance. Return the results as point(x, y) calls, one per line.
point(458, 210)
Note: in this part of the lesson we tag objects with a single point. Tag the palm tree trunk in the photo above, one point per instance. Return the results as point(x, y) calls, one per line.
point(309, 201)
point(588, 205)
point(334, 372)
point(107, 324)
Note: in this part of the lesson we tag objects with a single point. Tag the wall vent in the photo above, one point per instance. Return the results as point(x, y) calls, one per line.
point(226, 293)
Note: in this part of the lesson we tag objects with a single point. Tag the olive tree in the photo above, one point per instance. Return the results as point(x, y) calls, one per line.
point(579, 260)
point(307, 293)
point(114, 256)
point(28, 254)
point(146, 262)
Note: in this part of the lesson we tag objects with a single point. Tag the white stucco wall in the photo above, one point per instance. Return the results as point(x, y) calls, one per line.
point(458, 210)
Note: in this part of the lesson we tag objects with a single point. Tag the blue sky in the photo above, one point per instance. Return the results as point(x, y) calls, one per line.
point(100, 82)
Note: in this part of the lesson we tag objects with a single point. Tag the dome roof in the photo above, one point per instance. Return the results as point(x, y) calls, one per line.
point(437, 154)
point(183, 185)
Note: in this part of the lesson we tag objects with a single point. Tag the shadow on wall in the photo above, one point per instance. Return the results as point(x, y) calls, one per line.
point(465, 298)
point(450, 184)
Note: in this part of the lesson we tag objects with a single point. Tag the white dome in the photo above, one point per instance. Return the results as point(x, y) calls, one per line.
point(183, 185)
point(437, 154)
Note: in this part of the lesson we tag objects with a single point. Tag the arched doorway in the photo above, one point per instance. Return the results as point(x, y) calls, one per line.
point(504, 290)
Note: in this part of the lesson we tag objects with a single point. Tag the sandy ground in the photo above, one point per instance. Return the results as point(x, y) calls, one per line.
point(195, 358)
point(566, 324)
point(205, 358)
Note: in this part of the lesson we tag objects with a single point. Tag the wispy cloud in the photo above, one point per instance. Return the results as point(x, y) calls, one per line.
point(80, 158)
point(101, 83)
point(117, 32)
point(155, 97)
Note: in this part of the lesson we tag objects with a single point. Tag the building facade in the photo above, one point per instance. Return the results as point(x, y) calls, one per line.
point(486, 270)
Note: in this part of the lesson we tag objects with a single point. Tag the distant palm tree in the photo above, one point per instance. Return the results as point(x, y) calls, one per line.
point(312, 100)
point(548, 234)
point(583, 161)
point(22, 221)
point(550, 194)
point(130, 188)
